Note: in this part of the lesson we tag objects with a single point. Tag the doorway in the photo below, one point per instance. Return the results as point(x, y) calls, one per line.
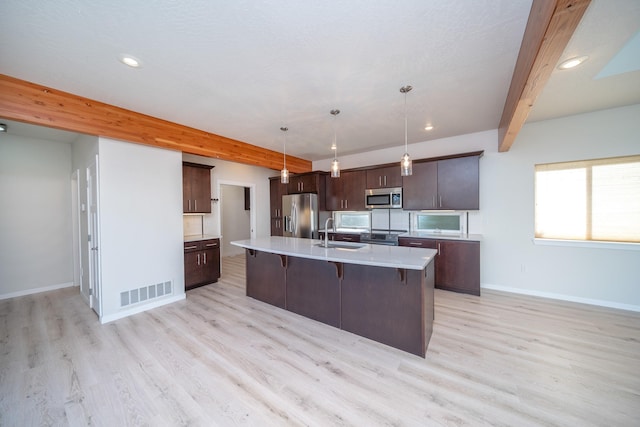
point(237, 215)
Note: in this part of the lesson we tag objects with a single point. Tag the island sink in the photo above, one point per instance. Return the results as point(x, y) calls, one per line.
point(352, 246)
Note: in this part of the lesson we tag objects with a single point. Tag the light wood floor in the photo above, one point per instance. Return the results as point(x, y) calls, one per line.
point(220, 358)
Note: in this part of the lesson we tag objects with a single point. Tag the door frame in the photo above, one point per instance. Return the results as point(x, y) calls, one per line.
point(252, 201)
point(93, 225)
point(76, 225)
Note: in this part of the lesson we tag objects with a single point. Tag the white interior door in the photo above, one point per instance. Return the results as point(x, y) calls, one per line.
point(94, 241)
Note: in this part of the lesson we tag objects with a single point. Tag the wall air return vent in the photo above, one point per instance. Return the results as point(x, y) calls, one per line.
point(145, 293)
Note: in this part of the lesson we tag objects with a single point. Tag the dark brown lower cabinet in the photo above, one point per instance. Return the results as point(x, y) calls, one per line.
point(388, 305)
point(313, 290)
point(201, 263)
point(266, 274)
point(457, 264)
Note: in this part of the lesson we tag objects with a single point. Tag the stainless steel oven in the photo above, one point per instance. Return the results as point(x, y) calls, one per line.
point(382, 237)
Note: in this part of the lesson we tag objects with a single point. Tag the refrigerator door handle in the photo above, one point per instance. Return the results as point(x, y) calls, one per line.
point(294, 219)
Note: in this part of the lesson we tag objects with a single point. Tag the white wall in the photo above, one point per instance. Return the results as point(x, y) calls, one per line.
point(237, 174)
point(509, 258)
point(235, 219)
point(140, 223)
point(35, 215)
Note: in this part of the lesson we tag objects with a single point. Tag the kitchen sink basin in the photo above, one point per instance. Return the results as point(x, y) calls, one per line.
point(332, 245)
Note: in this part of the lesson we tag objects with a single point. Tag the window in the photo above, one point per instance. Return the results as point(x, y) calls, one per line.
point(352, 220)
point(596, 200)
point(433, 222)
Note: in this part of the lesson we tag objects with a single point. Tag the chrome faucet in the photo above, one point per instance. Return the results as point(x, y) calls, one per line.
point(326, 231)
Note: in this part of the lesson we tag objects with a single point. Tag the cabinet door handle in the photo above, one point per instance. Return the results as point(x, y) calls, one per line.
point(189, 208)
point(211, 245)
point(189, 247)
point(195, 204)
point(440, 200)
point(346, 204)
point(198, 259)
point(348, 239)
point(380, 181)
point(205, 258)
point(385, 180)
point(415, 243)
point(438, 248)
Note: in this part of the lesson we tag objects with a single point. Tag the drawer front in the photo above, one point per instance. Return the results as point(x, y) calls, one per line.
point(191, 246)
point(199, 245)
point(417, 243)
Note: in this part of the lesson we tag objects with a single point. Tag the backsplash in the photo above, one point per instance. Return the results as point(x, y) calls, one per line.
point(192, 224)
point(390, 219)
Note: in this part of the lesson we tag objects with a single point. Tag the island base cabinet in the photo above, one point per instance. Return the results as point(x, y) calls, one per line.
point(387, 305)
point(313, 290)
point(393, 306)
point(266, 277)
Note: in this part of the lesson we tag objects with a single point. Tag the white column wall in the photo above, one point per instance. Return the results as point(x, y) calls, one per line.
point(141, 240)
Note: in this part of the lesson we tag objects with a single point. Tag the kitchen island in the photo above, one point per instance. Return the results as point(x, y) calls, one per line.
point(384, 293)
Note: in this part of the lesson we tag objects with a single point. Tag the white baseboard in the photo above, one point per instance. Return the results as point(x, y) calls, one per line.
point(561, 297)
point(140, 308)
point(36, 290)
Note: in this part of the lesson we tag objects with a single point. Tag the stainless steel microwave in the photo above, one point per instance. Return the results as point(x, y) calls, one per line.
point(383, 198)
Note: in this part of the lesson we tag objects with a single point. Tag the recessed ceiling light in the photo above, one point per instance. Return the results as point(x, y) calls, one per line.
point(131, 61)
point(572, 62)
point(428, 127)
point(333, 146)
point(3, 127)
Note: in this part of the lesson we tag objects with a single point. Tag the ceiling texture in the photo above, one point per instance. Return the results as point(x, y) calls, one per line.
point(244, 68)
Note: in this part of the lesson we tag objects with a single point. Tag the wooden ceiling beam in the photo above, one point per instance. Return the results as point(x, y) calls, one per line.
point(35, 104)
point(549, 28)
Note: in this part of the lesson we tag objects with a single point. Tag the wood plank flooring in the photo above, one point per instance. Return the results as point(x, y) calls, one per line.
point(221, 358)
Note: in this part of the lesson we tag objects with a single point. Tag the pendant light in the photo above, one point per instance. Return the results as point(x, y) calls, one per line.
point(335, 165)
point(405, 163)
point(284, 173)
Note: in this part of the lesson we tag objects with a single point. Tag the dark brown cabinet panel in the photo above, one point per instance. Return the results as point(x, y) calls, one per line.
point(313, 290)
point(384, 177)
point(420, 190)
point(306, 183)
point(201, 263)
point(266, 277)
point(276, 191)
point(345, 193)
point(459, 183)
point(452, 184)
point(457, 264)
point(386, 305)
point(196, 188)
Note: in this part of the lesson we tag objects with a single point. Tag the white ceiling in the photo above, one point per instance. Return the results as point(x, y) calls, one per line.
point(244, 68)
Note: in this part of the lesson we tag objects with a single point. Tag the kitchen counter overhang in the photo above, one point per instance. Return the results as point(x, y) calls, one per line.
point(384, 293)
point(351, 253)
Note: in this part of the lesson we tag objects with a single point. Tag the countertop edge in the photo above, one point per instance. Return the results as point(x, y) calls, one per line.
point(372, 255)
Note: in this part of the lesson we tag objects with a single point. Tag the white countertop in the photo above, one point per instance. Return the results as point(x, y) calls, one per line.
point(364, 254)
point(443, 236)
point(197, 237)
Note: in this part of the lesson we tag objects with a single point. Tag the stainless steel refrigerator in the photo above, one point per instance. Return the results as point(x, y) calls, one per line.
point(300, 215)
